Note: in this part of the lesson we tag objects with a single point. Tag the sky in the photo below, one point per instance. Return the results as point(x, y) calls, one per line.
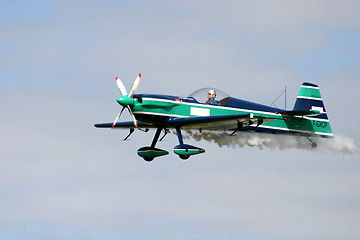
point(61, 178)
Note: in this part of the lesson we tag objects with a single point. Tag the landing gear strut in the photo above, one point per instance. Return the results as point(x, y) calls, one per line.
point(313, 143)
point(185, 150)
point(149, 153)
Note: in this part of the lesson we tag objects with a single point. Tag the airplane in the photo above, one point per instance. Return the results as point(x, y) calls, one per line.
point(212, 109)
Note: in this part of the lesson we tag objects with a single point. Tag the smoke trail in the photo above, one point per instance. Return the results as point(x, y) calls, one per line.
point(337, 144)
point(341, 144)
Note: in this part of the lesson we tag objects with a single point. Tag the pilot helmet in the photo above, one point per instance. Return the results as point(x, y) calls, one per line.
point(212, 93)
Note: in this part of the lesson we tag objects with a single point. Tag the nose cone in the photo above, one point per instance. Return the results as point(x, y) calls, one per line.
point(125, 101)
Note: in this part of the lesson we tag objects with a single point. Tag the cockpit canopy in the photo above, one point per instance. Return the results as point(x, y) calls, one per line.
point(201, 96)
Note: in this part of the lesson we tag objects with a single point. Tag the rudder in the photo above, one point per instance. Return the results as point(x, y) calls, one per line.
point(309, 99)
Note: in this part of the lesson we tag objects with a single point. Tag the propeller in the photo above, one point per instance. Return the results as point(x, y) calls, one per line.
point(126, 100)
point(118, 116)
point(135, 86)
point(121, 86)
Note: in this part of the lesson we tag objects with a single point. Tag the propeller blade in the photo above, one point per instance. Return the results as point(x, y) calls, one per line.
point(121, 86)
point(133, 117)
point(135, 86)
point(118, 116)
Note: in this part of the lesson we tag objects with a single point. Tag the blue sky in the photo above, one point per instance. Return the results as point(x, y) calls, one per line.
point(61, 178)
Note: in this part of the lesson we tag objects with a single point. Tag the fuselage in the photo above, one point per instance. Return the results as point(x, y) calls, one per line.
point(160, 109)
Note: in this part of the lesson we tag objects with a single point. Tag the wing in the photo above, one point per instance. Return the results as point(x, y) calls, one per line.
point(223, 122)
point(124, 125)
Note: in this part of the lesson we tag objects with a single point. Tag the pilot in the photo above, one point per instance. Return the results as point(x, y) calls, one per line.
point(211, 98)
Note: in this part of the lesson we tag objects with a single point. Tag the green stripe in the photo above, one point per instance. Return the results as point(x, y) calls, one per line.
point(188, 151)
point(152, 153)
point(309, 92)
point(299, 124)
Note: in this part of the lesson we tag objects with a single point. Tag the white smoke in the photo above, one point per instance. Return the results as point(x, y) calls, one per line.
point(339, 143)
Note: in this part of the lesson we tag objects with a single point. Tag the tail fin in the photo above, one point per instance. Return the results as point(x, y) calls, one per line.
point(309, 100)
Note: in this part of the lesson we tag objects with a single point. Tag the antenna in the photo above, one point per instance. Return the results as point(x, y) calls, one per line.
point(285, 97)
point(273, 103)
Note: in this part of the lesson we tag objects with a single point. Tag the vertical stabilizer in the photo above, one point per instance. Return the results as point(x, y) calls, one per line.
point(309, 99)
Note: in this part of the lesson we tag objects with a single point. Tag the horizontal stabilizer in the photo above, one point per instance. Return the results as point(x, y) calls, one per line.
point(299, 113)
point(123, 125)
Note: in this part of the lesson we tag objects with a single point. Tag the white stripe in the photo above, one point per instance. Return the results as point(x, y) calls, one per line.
point(303, 86)
point(319, 109)
point(312, 118)
point(310, 98)
point(315, 119)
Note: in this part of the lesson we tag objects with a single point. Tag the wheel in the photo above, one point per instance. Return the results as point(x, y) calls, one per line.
point(148, 159)
point(314, 144)
point(184, 157)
